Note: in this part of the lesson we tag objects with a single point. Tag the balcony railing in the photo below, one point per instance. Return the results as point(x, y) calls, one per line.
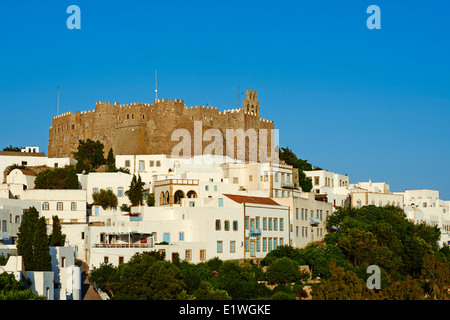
point(287, 184)
point(314, 221)
point(254, 232)
point(123, 245)
point(177, 181)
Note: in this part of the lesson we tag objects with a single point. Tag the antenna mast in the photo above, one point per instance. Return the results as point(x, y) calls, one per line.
point(156, 84)
point(57, 104)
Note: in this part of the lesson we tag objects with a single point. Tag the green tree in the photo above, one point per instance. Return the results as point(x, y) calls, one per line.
point(11, 148)
point(110, 161)
point(105, 198)
point(135, 192)
point(407, 289)
point(301, 165)
point(41, 249)
point(284, 271)
point(12, 289)
point(150, 197)
point(343, 285)
point(57, 239)
point(25, 237)
point(146, 276)
point(58, 178)
point(33, 242)
point(89, 155)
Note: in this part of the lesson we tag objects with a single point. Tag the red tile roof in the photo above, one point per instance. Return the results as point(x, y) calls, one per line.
point(249, 199)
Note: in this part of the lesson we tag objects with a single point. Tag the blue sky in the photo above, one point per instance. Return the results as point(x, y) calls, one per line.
point(374, 104)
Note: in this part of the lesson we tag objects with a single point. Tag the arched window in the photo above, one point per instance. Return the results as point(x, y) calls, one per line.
point(192, 194)
point(162, 199)
point(167, 197)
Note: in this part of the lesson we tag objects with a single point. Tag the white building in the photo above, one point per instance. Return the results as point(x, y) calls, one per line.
point(235, 227)
point(424, 206)
point(307, 218)
point(30, 159)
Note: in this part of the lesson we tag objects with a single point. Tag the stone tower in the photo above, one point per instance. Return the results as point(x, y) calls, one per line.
point(250, 102)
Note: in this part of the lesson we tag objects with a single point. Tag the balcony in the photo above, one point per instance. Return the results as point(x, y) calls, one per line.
point(123, 245)
point(191, 182)
point(314, 221)
point(287, 184)
point(254, 232)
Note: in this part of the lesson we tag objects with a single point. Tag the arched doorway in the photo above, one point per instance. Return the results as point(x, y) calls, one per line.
point(179, 194)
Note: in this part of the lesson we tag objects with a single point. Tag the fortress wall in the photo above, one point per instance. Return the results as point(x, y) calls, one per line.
point(141, 128)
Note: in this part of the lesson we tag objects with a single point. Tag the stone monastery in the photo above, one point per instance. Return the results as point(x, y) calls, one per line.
point(141, 128)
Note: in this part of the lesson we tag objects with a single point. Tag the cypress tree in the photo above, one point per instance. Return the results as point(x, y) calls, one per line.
point(32, 242)
point(42, 258)
point(57, 239)
point(26, 237)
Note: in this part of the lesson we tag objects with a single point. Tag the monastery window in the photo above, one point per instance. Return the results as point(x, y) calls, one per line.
point(181, 236)
point(120, 191)
point(235, 180)
point(141, 165)
point(152, 163)
point(250, 178)
point(276, 176)
point(217, 224)
point(219, 246)
point(281, 224)
point(220, 202)
point(127, 163)
point(246, 223)
point(105, 259)
point(264, 223)
point(128, 116)
point(166, 237)
point(73, 206)
point(158, 163)
point(120, 260)
point(73, 127)
point(232, 246)
point(202, 255)
point(59, 206)
point(316, 181)
point(45, 206)
point(226, 225)
point(143, 116)
point(264, 244)
point(235, 225)
point(95, 190)
point(132, 116)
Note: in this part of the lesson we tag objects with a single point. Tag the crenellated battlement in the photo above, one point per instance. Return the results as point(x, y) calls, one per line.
point(140, 128)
